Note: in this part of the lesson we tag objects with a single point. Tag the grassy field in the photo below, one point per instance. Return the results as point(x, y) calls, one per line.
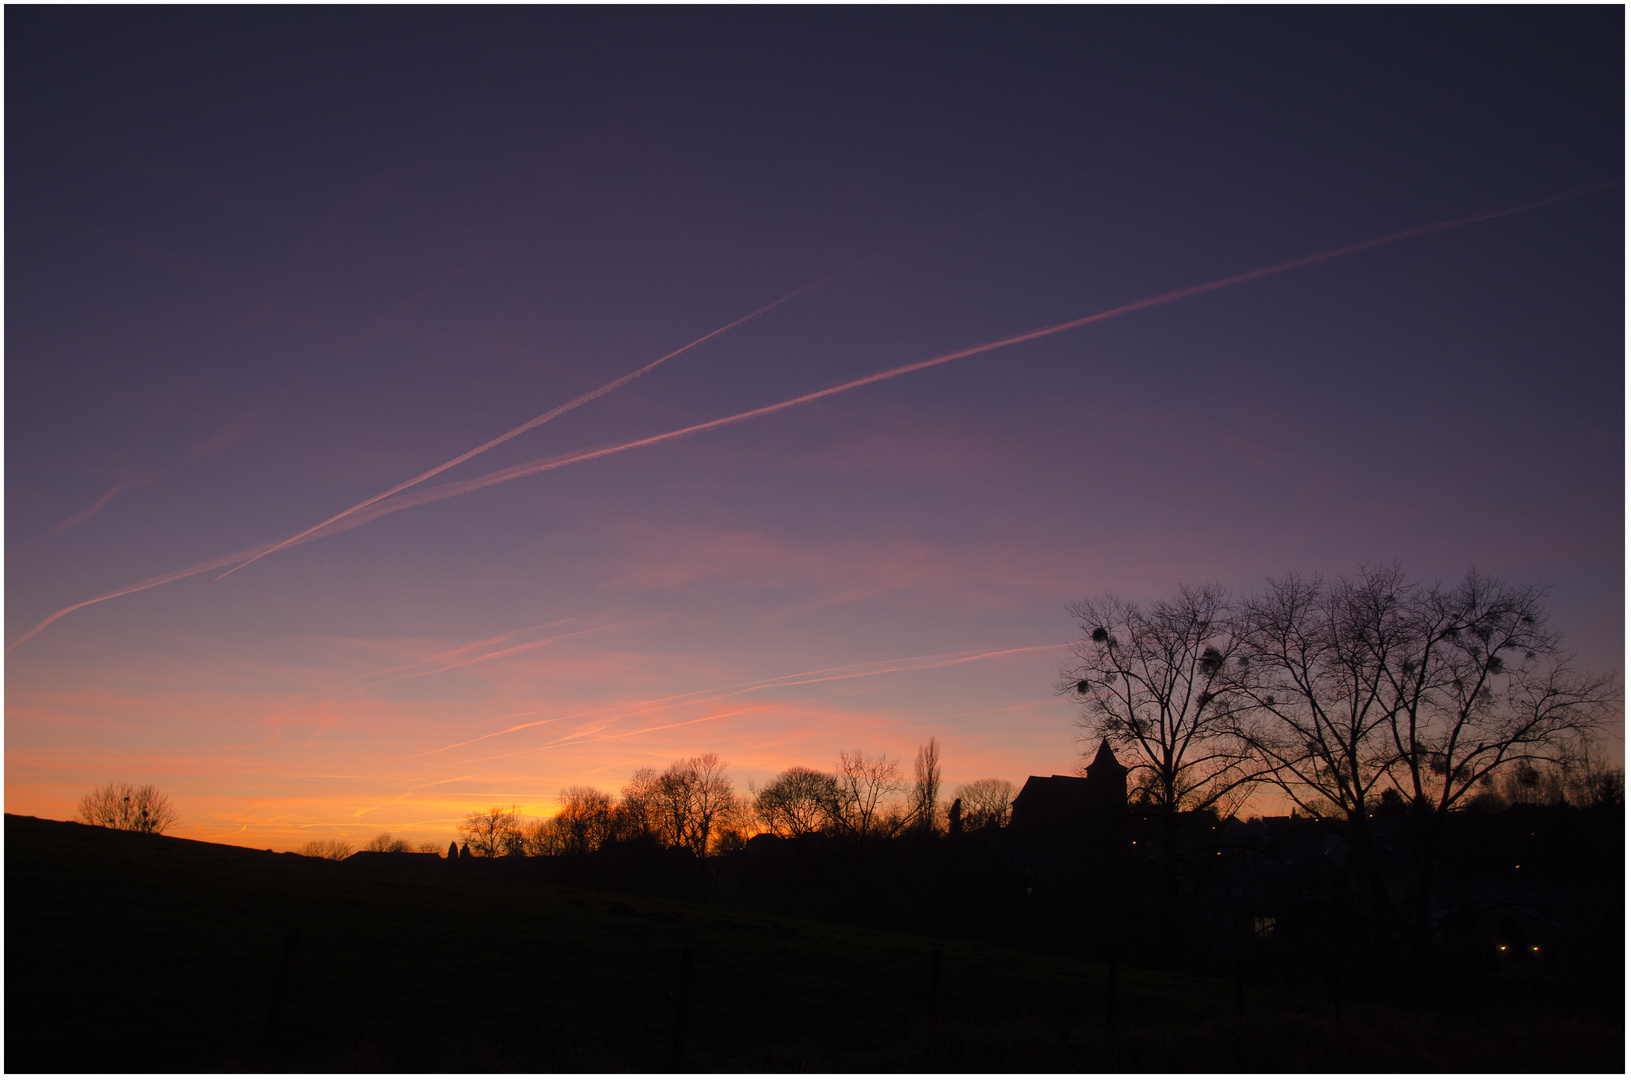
point(138, 953)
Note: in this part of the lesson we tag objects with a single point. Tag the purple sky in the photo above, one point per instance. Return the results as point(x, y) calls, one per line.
point(264, 264)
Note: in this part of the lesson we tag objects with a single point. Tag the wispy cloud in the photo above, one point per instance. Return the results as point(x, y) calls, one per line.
point(624, 710)
point(96, 507)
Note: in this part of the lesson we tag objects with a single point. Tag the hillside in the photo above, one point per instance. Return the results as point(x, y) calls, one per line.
point(139, 953)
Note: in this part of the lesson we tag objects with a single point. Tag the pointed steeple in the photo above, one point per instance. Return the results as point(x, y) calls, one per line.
point(1105, 758)
point(1107, 780)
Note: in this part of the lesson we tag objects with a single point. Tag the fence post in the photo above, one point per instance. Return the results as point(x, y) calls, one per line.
point(1110, 999)
point(280, 989)
point(1240, 987)
point(934, 989)
point(682, 1003)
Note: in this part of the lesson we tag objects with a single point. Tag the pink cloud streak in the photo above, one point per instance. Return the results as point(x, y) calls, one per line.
point(802, 678)
point(95, 508)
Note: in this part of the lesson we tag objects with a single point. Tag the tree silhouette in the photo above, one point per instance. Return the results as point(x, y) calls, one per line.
point(1484, 683)
point(983, 803)
point(492, 832)
point(864, 784)
point(130, 807)
point(925, 805)
point(690, 798)
point(1312, 665)
point(798, 802)
point(327, 849)
point(1152, 681)
point(386, 842)
point(586, 820)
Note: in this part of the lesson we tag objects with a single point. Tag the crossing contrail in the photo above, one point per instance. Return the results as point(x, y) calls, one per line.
point(542, 418)
point(496, 639)
point(515, 472)
point(376, 508)
point(615, 384)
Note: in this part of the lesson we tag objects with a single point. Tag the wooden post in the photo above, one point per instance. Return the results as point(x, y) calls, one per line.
point(1336, 986)
point(682, 1003)
point(934, 989)
point(1240, 987)
point(280, 989)
point(1110, 1000)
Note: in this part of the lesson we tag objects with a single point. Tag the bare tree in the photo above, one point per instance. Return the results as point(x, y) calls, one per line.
point(492, 832)
point(130, 807)
point(541, 836)
point(865, 784)
point(585, 821)
point(799, 801)
point(925, 805)
point(428, 847)
point(1485, 683)
point(327, 849)
point(733, 826)
point(690, 797)
point(1590, 779)
point(985, 802)
point(1374, 694)
point(1152, 682)
point(386, 842)
point(637, 812)
point(1312, 665)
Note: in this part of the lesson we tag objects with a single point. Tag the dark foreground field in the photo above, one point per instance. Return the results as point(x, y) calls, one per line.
point(137, 953)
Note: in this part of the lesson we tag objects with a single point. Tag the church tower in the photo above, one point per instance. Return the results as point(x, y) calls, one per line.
point(1106, 782)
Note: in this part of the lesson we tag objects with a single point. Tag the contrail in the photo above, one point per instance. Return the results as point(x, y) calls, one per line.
point(545, 418)
point(515, 472)
point(466, 647)
point(542, 418)
point(446, 491)
point(150, 583)
point(515, 649)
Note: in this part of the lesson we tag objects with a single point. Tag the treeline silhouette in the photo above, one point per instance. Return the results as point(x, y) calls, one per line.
point(1527, 910)
point(1450, 836)
point(860, 842)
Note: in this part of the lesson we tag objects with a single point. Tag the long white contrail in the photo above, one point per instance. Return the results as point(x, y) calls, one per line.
point(515, 472)
point(541, 418)
point(545, 418)
point(351, 519)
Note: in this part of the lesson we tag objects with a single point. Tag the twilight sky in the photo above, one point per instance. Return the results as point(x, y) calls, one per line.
point(263, 265)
